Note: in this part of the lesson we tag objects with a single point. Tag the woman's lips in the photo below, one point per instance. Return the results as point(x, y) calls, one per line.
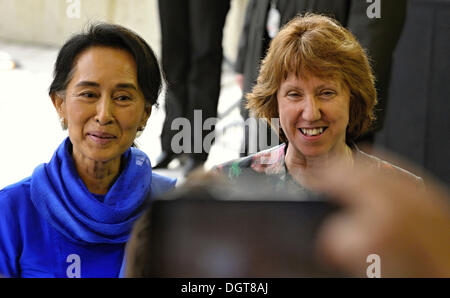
point(312, 134)
point(101, 138)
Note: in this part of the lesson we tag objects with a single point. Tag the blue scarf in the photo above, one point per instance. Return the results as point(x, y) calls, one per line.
point(61, 197)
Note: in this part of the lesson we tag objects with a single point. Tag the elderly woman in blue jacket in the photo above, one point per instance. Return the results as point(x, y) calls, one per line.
point(73, 216)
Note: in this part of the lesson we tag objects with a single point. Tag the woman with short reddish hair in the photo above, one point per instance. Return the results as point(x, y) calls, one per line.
point(317, 80)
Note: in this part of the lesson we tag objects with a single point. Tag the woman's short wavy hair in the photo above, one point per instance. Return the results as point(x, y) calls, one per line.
point(318, 45)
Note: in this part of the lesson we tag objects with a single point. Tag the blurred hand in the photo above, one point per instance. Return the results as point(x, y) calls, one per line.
point(389, 216)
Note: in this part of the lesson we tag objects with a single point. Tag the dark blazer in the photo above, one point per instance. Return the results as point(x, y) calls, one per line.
point(417, 123)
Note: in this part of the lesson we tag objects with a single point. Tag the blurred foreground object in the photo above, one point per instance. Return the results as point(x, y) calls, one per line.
point(199, 236)
point(210, 228)
point(408, 228)
point(216, 229)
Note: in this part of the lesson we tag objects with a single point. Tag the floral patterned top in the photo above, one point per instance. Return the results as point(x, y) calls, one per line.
point(269, 165)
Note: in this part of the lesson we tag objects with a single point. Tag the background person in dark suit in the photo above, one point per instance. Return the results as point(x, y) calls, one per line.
point(417, 122)
point(192, 61)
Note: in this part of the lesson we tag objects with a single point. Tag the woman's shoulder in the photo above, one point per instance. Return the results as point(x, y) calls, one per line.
point(387, 167)
point(16, 206)
point(16, 211)
point(15, 195)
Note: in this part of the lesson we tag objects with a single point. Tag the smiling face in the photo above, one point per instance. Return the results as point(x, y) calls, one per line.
point(103, 105)
point(314, 114)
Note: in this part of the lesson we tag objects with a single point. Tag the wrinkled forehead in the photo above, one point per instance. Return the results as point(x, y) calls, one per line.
point(308, 80)
point(302, 76)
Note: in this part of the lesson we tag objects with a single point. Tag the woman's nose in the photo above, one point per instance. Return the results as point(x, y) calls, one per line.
point(104, 111)
point(311, 110)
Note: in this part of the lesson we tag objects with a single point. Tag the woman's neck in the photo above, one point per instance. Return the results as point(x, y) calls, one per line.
point(97, 176)
point(307, 171)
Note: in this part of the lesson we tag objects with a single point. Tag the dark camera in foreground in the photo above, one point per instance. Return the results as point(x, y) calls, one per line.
point(199, 235)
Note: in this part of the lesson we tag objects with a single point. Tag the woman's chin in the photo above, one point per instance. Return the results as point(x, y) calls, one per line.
point(106, 153)
point(103, 156)
point(311, 151)
point(316, 149)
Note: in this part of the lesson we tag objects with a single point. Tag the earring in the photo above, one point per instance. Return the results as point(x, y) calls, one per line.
point(140, 131)
point(62, 121)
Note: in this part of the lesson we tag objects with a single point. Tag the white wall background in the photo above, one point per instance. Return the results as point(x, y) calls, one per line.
point(32, 31)
point(47, 22)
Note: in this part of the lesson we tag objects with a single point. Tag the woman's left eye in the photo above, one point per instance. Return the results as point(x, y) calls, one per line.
point(87, 94)
point(328, 93)
point(122, 98)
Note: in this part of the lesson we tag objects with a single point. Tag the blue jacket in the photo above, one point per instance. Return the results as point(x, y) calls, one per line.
point(51, 226)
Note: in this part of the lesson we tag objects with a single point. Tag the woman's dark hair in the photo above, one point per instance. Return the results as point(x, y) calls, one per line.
point(149, 75)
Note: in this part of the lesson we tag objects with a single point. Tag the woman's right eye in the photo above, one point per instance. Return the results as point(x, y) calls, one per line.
point(87, 94)
point(293, 94)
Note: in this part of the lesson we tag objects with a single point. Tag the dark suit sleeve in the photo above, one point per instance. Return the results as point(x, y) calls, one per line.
point(243, 39)
point(379, 36)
